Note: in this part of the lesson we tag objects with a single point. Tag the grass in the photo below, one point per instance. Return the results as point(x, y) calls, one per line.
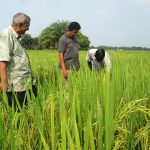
point(96, 110)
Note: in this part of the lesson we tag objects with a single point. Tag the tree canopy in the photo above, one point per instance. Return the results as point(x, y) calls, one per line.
point(29, 43)
point(49, 36)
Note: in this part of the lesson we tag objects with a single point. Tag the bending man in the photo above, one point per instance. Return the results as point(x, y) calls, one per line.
point(98, 59)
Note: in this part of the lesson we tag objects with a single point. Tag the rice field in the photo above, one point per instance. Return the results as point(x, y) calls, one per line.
point(92, 111)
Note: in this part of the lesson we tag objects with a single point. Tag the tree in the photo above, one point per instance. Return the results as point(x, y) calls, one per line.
point(29, 43)
point(26, 41)
point(83, 41)
point(35, 43)
point(50, 36)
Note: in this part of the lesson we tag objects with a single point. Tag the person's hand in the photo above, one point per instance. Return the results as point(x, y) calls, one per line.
point(65, 73)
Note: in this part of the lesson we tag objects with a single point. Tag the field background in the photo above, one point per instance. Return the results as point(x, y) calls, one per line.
point(95, 110)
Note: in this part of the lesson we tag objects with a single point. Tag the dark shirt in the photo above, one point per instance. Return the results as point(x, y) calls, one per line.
point(68, 46)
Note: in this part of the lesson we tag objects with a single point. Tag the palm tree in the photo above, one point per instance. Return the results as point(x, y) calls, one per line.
point(50, 36)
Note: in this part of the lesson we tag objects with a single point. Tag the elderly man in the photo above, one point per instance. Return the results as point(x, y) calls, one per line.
point(15, 69)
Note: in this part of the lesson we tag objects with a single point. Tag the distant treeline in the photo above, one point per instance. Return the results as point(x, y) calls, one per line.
point(123, 48)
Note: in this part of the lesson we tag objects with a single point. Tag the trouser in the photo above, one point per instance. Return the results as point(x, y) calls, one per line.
point(20, 96)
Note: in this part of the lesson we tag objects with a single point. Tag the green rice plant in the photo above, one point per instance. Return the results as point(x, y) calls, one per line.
point(94, 110)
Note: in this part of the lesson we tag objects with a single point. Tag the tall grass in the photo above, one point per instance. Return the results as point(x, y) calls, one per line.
point(95, 110)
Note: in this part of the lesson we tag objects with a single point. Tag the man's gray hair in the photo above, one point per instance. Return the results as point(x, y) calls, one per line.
point(20, 18)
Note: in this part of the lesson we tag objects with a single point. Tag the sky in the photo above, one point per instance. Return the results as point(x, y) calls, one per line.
point(104, 22)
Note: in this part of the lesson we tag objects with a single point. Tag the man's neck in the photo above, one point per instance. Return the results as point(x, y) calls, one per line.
point(68, 34)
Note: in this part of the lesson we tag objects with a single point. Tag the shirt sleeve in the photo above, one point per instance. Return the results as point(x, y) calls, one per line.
point(61, 45)
point(5, 48)
point(107, 61)
point(87, 57)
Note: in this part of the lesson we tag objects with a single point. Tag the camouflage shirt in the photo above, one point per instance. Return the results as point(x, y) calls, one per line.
point(18, 65)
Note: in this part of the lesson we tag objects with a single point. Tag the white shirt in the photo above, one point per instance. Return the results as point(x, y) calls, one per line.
point(18, 65)
point(95, 64)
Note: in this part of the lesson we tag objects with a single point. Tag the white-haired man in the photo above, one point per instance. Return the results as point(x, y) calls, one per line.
point(15, 70)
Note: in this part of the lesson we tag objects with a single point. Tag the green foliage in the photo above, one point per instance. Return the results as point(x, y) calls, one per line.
point(50, 36)
point(93, 110)
point(83, 41)
point(29, 43)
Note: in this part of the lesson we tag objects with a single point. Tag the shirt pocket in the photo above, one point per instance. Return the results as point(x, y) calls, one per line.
point(21, 60)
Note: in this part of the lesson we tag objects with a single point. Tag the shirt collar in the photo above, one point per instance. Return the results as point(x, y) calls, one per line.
point(14, 32)
point(69, 36)
point(66, 35)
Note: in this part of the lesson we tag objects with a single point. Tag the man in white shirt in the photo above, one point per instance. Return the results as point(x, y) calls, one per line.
point(98, 59)
point(15, 69)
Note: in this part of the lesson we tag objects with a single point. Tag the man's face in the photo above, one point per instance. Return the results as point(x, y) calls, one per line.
point(99, 59)
point(22, 28)
point(73, 32)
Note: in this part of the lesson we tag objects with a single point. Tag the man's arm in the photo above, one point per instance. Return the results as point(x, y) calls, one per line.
point(61, 59)
point(89, 59)
point(3, 75)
